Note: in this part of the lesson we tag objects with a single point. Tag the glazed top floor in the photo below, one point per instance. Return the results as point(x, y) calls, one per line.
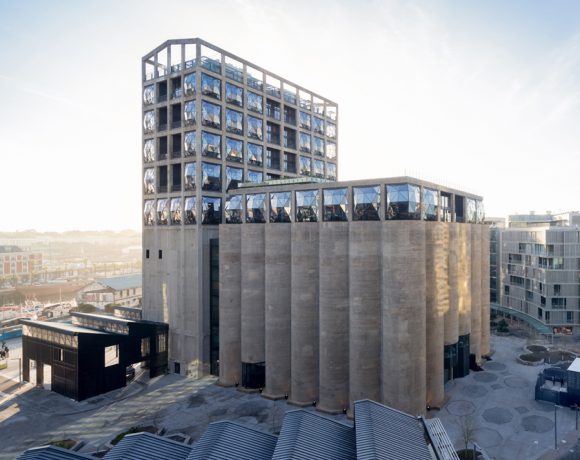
point(177, 56)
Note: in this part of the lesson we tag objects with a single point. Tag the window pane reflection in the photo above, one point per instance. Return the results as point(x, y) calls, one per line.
point(318, 146)
point(234, 95)
point(211, 115)
point(471, 211)
point(189, 84)
point(149, 150)
point(255, 177)
point(149, 95)
point(162, 211)
point(307, 206)
point(149, 180)
point(256, 208)
point(331, 171)
point(190, 176)
point(480, 212)
point(189, 113)
point(211, 145)
point(255, 130)
point(330, 150)
point(234, 150)
point(304, 142)
point(233, 177)
point(212, 210)
point(234, 122)
point(305, 166)
point(190, 212)
point(189, 143)
point(255, 102)
point(176, 211)
point(430, 204)
point(403, 202)
point(335, 202)
point(149, 212)
point(367, 202)
point(210, 86)
point(233, 209)
point(318, 170)
point(211, 177)
point(255, 153)
point(149, 122)
point(280, 206)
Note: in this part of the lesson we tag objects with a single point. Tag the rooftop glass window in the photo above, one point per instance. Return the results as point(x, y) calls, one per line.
point(189, 85)
point(162, 211)
point(234, 150)
point(318, 169)
point(335, 203)
point(212, 210)
point(305, 142)
point(211, 59)
point(234, 122)
point(273, 158)
point(149, 181)
point(305, 166)
point(190, 211)
point(318, 105)
point(234, 209)
point(149, 95)
point(305, 120)
point(430, 204)
point(189, 174)
point(366, 203)
point(480, 211)
point(318, 146)
point(331, 112)
point(211, 177)
point(233, 177)
point(176, 211)
point(211, 86)
point(211, 145)
point(305, 99)
point(255, 78)
point(273, 86)
point(273, 133)
point(149, 121)
point(255, 102)
point(273, 109)
point(234, 69)
point(290, 138)
point(403, 202)
point(255, 128)
point(255, 176)
point(189, 113)
point(331, 130)
point(149, 150)
point(330, 150)
point(255, 153)
point(446, 211)
point(234, 95)
point(189, 143)
point(307, 206)
point(471, 211)
point(318, 125)
point(149, 212)
point(331, 171)
point(290, 162)
point(280, 206)
point(289, 94)
point(256, 208)
point(211, 115)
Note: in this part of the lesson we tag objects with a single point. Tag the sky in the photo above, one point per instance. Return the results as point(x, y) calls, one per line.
point(480, 96)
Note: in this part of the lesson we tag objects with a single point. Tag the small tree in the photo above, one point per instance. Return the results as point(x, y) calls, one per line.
point(503, 326)
point(468, 425)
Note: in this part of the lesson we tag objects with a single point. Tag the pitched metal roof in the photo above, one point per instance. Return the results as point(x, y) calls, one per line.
point(385, 433)
point(52, 453)
point(122, 282)
point(306, 435)
point(141, 446)
point(229, 440)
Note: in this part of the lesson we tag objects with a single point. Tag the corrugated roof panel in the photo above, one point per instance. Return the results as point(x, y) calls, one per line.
point(141, 446)
point(52, 453)
point(306, 435)
point(228, 440)
point(441, 442)
point(386, 433)
point(122, 282)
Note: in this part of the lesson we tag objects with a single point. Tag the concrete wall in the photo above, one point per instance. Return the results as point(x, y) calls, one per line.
point(485, 349)
point(464, 279)
point(476, 296)
point(451, 318)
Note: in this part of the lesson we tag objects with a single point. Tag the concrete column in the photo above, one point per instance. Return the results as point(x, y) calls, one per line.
point(277, 298)
point(475, 337)
point(403, 353)
point(451, 319)
point(304, 312)
point(230, 305)
point(485, 349)
point(253, 296)
point(333, 316)
point(464, 279)
point(365, 281)
point(437, 304)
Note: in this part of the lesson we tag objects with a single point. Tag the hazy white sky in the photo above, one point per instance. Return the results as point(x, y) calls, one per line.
point(483, 96)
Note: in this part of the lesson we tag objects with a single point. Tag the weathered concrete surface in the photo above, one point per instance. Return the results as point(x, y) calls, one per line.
point(485, 333)
point(451, 327)
point(476, 269)
point(464, 279)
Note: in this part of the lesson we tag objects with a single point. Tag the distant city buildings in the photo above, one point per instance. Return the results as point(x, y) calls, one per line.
point(16, 262)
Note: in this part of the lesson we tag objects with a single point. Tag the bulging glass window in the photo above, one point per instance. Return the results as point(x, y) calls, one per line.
point(211, 177)
point(331, 171)
point(318, 125)
point(403, 202)
point(307, 206)
point(331, 112)
point(189, 143)
point(480, 212)
point(211, 145)
point(233, 209)
point(255, 177)
point(190, 169)
point(234, 150)
point(190, 212)
point(335, 204)
point(305, 120)
point(318, 146)
point(255, 154)
point(189, 84)
point(212, 210)
point(211, 86)
point(176, 211)
point(211, 115)
point(305, 166)
point(149, 95)
point(330, 150)
point(366, 203)
point(331, 130)
point(149, 212)
point(149, 121)
point(233, 177)
point(280, 206)
point(304, 140)
point(149, 180)
point(149, 150)
point(255, 102)
point(189, 113)
point(256, 208)
point(162, 211)
point(430, 204)
point(255, 128)
point(234, 95)
point(234, 122)
point(471, 211)
point(318, 170)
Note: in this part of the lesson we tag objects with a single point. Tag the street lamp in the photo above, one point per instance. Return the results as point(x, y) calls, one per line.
point(556, 426)
point(575, 407)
